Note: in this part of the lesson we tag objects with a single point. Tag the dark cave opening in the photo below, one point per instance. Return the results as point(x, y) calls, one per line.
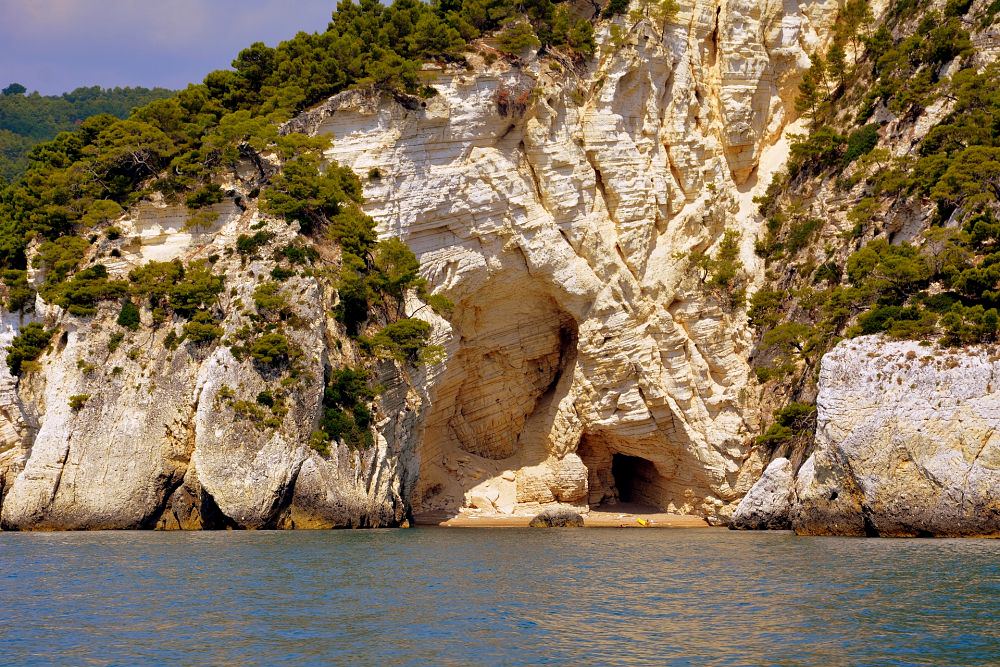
point(633, 478)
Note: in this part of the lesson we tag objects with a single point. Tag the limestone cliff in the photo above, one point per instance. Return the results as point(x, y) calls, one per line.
point(906, 445)
point(562, 206)
point(557, 204)
point(562, 229)
point(170, 436)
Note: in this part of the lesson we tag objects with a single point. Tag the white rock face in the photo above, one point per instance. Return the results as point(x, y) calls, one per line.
point(768, 504)
point(581, 334)
point(907, 443)
point(158, 441)
point(587, 361)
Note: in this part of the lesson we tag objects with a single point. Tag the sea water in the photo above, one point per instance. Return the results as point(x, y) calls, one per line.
point(432, 596)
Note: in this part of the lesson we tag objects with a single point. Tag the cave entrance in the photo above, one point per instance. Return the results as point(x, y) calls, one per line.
point(634, 479)
point(614, 477)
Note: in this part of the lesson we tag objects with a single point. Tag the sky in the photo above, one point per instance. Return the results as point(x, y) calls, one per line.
point(54, 46)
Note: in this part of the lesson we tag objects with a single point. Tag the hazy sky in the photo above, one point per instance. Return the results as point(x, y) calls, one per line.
point(54, 46)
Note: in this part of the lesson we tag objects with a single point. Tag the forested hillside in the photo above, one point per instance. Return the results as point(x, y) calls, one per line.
point(27, 120)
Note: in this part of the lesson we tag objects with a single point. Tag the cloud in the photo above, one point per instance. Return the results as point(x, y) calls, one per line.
point(56, 45)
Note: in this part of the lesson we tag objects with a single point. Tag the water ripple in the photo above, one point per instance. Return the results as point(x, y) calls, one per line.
point(496, 597)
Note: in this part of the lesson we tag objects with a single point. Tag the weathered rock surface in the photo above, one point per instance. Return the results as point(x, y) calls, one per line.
point(557, 518)
point(581, 334)
point(768, 504)
point(159, 442)
point(907, 443)
point(586, 359)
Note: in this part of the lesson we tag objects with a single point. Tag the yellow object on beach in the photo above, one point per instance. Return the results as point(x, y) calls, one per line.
point(642, 522)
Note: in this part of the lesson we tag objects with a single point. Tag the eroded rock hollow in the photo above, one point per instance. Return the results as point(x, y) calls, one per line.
point(558, 205)
point(584, 341)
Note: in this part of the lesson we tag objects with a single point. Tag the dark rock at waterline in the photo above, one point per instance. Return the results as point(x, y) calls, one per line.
point(557, 519)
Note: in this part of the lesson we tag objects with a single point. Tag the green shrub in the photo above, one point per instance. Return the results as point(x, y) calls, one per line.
point(795, 421)
point(77, 401)
point(297, 253)
point(861, 142)
point(199, 289)
point(269, 299)
point(85, 290)
point(281, 274)
point(249, 246)
point(724, 274)
point(206, 196)
point(516, 38)
point(800, 233)
point(28, 345)
point(765, 308)
point(303, 193)
point(203, 328)
point(346, 415)
point(20, 295)
point(59, 258)
point(115, 341)
point(271, 349)
point(614, 8)
point(129, 316)
point(403, 340)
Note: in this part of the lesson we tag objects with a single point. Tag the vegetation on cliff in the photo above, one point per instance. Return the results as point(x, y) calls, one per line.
point(921, 258)
point(28, 120)
point(222, 141)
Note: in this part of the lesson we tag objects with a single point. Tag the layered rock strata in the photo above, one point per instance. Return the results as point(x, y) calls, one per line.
point(558, 205)
point(562, 231)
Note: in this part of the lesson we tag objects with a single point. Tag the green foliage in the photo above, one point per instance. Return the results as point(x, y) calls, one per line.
point(823, 148)
point(614, 8)
point(178, 145)
point(250, 245)
point(199, 289)
point(297, 253)
point(27, 346)
point(813, 90)
point(269, 300)
point(81, 294)
point(27, 120)
point(203, 328)
point(396, 268)
point(20, 295)
point(271, 349)
point(346, 415)
point(206, 196)
point(354, 232)
point(888, 272)
point(765, 308)
point(800, 233)
point(795, 421)
point(129, 316)
point(115, 341)
point(724, 274)
point(59, 258)
point(517, 38)
point(77, 401)
point(861, 142)
point(403, 340)
point(303, 193)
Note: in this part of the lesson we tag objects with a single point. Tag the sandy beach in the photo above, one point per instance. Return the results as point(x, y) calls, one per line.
point(618, 516)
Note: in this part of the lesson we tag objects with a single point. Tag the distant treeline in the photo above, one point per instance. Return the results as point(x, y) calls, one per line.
point(27, 120)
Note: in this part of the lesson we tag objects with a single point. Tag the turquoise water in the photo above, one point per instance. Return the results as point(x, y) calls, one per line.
point(496, 597)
